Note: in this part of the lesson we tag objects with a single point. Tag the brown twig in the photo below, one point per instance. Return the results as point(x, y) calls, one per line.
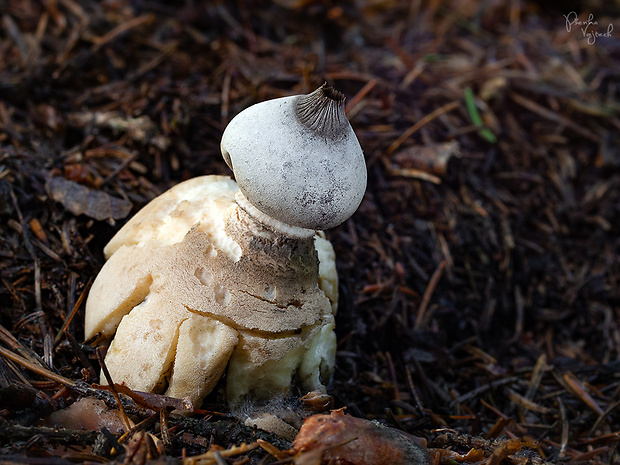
point(421, 315)
point(36, 368)
point(73, 311)
point(108, 377)
point(448, 107)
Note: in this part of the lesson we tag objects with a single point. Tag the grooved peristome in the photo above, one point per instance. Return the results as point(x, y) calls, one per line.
point(322, 111)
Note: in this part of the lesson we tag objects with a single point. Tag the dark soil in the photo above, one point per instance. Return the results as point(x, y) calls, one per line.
point(479, 279)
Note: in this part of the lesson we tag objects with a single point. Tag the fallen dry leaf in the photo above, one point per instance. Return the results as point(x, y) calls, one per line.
point(80, 200)
point(356, 441)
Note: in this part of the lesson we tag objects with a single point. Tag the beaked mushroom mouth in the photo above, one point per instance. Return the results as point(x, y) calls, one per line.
point(332, 93)
point(294, 232)
point(322, 111)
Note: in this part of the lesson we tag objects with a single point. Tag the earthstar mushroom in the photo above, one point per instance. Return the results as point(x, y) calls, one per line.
point(216, 275)
point(297, 159)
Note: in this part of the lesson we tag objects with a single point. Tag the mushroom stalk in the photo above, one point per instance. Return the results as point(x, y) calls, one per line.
point(270, 222)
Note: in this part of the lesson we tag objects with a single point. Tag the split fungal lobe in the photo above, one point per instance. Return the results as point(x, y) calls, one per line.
point(163, 287)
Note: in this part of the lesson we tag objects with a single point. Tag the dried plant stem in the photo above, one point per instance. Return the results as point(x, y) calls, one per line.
point(421, 317)
point(73, 311)
point(36, 368)
point(420, 124)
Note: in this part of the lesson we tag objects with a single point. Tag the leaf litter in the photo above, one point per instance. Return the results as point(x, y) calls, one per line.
point(479, 278)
